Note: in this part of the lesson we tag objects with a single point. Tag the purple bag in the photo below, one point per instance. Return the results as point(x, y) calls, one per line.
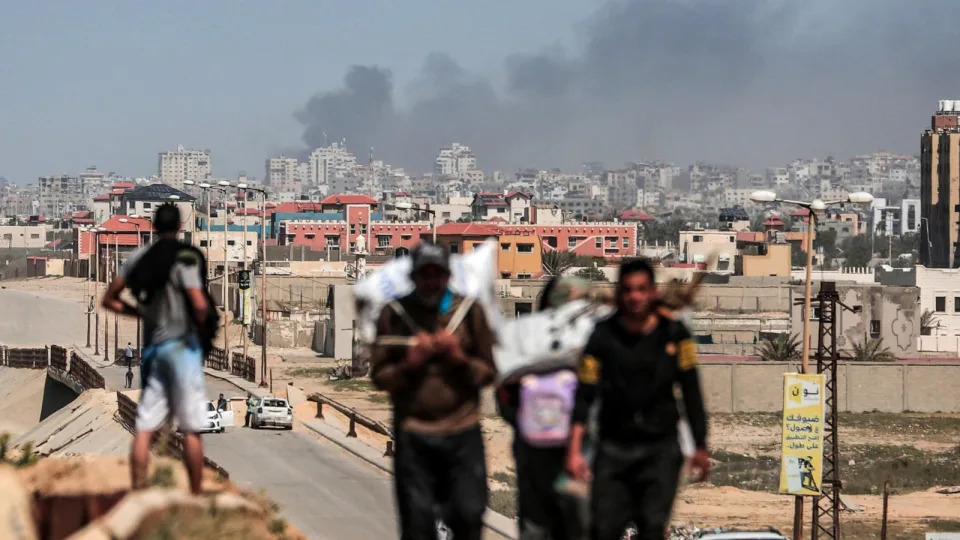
point(546, 404)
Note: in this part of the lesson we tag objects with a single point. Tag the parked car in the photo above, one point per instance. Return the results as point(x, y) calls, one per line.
point(272, 411)
point(214, 420)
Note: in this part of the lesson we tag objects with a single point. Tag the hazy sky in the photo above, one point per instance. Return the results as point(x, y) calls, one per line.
point(536, 82)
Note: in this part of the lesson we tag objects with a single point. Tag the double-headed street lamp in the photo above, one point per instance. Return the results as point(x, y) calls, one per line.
point(814, 207)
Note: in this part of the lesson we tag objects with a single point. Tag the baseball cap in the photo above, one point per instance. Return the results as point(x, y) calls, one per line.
point(430, 255)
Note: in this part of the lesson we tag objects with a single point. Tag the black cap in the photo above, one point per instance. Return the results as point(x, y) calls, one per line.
point(427, 254)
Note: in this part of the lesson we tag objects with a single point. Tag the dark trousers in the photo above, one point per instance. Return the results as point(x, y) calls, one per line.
point(634, 483)
point(440, 477)
point(543, 513)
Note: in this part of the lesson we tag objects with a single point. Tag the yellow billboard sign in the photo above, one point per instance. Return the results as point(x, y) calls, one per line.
point(801, 461)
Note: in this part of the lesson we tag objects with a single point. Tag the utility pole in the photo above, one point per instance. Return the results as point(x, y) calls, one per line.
point(116, 271)
point(226, 279)
point(96, 295)
point(263, 289)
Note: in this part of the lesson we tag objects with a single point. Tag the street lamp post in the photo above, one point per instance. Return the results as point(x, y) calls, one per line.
point(263, 281)
point(206, 196)
point(813, 207)
point(226, 266)
point(96, 295)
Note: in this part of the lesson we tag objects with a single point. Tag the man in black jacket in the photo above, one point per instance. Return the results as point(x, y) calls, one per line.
point(631, 363)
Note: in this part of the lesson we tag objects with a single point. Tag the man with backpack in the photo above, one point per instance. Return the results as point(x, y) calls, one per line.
point(433, 353)
point(167, 278)
point(631, 364)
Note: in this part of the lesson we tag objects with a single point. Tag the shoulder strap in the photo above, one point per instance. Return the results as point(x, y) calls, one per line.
point(459, 314)
point(404, 316)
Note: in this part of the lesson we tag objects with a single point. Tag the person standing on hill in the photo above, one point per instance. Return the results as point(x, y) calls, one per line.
point(167, 279)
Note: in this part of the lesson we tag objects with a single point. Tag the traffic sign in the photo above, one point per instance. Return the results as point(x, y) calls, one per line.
point(244, 279)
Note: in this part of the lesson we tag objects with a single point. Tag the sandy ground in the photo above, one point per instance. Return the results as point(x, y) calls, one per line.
point(19, 405)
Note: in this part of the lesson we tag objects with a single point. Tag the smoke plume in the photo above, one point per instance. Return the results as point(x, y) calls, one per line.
point(741, 82)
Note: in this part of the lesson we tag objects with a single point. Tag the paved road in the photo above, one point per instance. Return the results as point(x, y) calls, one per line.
point(321, 490)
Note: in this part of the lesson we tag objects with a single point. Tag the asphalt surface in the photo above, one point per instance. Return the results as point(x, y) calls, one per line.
point(323, 491)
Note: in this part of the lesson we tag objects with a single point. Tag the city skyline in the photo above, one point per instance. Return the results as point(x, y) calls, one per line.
point(746, 86)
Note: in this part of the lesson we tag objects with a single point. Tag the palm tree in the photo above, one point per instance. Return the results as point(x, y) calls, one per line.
point(782, 348)
point(555, 263)
point(928, 321)
point(872, 350)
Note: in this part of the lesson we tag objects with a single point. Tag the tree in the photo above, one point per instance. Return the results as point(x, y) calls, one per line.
point(555, 262)
point(591, 273)
point(872, 350)
point(798, 257)
point(857, 250)
point(781, 348)
point(928, 321)
point(662, 231)
point(827, 240)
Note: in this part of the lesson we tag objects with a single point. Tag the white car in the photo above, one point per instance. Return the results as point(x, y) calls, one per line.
point(214, 420)
point(272, 411)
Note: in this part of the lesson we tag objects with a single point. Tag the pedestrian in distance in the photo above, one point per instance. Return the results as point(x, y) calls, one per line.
point(128, 355)
point(433, 353)
point(251, 404)
point(538, 408)
point(167, 278)
point(221, 403)
point(631, 364)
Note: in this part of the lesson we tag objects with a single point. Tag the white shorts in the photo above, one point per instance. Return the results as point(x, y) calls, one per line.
point(173, 387)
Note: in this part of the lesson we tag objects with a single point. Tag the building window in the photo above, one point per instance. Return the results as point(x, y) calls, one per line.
point(956, 304)
point(34, 236)
point(573, 241)
point(353, 229)
point(383, 240)
point(504, 247)
point(405, 237)
point(203, 243)
point(697, 238)
point(233, 242)
point(551, 241)
point(333, 241)
point(523, 308)
point(501, 210)
point(874, 329)
point(524, 248)
point(524, 276)
point(147, 205)
point(454, 247)
point(626, 242)
point(599, 243)
point(363, 228)
point(941, 306)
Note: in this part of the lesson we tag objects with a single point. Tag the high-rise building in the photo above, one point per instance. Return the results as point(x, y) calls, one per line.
point(183, 164)
point(283, 174)
point(940, 188)
point(58, 195)
point(330, 161)
point(455, 160)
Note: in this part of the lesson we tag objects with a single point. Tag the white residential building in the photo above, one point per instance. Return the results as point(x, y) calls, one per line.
point(330, 161)
point(737, 196)
point(58, 195)
point(900, 219)
point(455, 160)
point(283, 174)
point(940, 294)
point(778, 177)
point(183, 164)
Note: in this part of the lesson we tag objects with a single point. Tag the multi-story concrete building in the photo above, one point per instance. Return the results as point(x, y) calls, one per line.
point(455, 160)
point(61, 194)
point(144, 201)
point(184, 164)
point(940, 187)
point(20, 236)
point(940, 295)
point(715, 250)
point(330, 161)
point(283, 174)
point(897, 220)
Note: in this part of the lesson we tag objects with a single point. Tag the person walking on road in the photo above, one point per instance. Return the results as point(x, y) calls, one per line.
point(535, 404)
point(128, 355)
point(251, 404)
point(433, 353)
point(631, 363)
point(167, 279)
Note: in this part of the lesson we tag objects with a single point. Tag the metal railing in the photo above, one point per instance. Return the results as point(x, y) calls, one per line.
point(88, 377)
point(217, 359)
point(355, 418)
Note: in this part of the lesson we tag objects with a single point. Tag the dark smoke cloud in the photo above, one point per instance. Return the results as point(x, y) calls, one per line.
point(743, 82)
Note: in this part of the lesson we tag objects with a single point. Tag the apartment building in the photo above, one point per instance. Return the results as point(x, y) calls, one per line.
point(283, 174)
point(183, 164)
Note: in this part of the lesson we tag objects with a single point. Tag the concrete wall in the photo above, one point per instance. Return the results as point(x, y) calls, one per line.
point(895, 309)
point(862, 387)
